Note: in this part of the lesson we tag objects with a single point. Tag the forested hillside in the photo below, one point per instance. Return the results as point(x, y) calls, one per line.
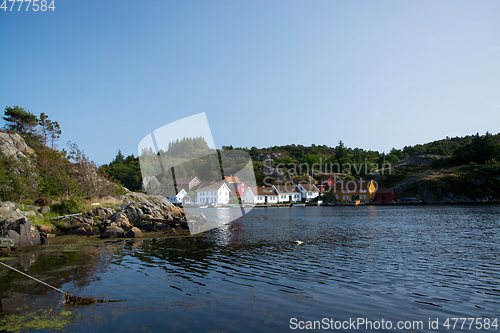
point(312, 163)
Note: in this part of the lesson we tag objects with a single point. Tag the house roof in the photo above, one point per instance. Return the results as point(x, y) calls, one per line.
point(263, 191)
point(286, 188)
point(310, 187)
point(212, 187)
point(182, 181)
point(232, 179)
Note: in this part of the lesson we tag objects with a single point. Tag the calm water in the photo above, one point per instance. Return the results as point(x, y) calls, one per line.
point(406, 263)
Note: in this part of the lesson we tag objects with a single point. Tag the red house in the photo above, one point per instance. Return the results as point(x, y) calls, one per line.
point(385, 195)
point(241, 189)
point(326, 185)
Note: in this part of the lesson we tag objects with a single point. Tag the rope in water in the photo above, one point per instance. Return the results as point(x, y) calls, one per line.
point(45, 284)
point(70, 299)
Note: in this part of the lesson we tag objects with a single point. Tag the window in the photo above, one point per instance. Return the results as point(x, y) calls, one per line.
point(365, 196)
point(344, 197)
point(343, 191)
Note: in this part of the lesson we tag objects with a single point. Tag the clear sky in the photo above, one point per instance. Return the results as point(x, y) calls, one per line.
point(375, 74)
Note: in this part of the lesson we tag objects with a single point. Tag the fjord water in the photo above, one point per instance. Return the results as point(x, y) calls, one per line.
point(397, 263)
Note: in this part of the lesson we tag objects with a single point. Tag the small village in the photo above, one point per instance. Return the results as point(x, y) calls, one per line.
point(232, 191)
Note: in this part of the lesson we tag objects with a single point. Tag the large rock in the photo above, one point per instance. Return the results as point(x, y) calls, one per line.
point(44, 209)
point(12, 215)
point(12, 145)
point(112, 233)
point(7, 206)
point(104, 213)
point(28, 233)
point(30, 213)
point(133, 233)
point(121, 220)
point(14, 236)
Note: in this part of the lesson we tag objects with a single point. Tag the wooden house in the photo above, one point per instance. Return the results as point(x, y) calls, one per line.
point(216, 194)
point(354, 190)
point(309, 191)
point(385, 195)
point(260, 195)
point(287, 193)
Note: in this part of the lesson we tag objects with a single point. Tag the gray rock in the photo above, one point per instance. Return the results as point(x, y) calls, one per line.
point(28, 233)
point(7, 206)
point(29, 213)
point(44, 209)
point(13, 145)
point(13, 215)
point(75, 226)
point(112, 233)
point(104, 213)
point(14, 236)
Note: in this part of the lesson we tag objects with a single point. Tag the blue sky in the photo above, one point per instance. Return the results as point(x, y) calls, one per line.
point(375, 74)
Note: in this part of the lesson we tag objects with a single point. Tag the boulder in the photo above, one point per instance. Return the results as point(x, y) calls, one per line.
point(76, 226)
point(29, 213)
point(45, 229)
point(112, 233)
point(44, 209)
point(6, 207)
point(14, 236)
point(25, 229)
point(11, 216)
point(121, 220)
point(81, 231)
point(104, 213)
point(133, 233)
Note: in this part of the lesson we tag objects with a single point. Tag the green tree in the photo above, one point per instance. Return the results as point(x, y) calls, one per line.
point(20, 120)
point(50, 129)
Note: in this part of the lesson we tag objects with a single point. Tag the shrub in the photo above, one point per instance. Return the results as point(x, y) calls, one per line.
point(70, 206)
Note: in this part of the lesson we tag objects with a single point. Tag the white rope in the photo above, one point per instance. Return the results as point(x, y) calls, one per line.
point(46, 284)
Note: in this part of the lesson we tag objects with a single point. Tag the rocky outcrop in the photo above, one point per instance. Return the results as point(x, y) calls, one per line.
point(12, 145)
point(136, 212)
point(418, 160)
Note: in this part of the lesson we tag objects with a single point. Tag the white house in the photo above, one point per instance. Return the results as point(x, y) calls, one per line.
point(260, 195)
point(309, 191)
point(216, 194)
point(175, 198)
point(287, 193)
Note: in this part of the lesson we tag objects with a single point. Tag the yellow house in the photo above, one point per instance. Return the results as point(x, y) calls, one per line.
point(354, 190)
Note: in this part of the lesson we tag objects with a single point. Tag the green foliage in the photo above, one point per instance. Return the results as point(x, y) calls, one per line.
point(479, 150)
point(48, 172)
point(126, 170)
point(70, 206)
point(20, 120)
point(50, 129)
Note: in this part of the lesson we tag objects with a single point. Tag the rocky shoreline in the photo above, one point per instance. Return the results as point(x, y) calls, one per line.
point(127, 217)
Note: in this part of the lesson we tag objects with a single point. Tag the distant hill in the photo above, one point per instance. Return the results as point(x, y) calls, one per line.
point(451, 164)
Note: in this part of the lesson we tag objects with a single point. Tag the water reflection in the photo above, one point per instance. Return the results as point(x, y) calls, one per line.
point(354, 262)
